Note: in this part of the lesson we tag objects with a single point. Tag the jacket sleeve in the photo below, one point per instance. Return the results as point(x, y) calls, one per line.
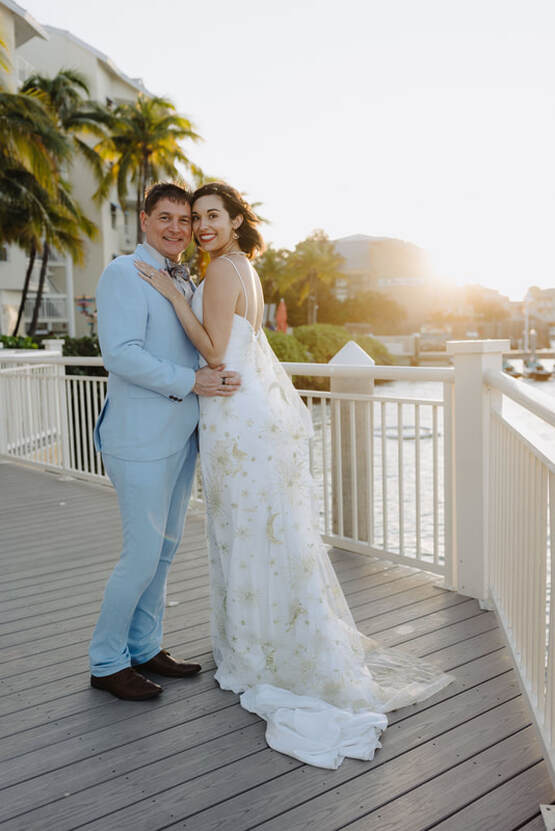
point(122, 320)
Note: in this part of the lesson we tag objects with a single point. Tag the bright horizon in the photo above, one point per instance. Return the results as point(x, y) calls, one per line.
point(433, 122)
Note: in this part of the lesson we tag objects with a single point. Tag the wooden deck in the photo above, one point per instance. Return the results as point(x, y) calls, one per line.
point(72, 757)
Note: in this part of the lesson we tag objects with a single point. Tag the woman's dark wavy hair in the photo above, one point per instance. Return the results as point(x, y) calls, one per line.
point(249, 238)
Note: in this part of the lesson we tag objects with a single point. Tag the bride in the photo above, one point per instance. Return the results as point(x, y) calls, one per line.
point(282, 632)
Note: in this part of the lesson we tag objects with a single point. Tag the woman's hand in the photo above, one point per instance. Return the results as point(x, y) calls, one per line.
point(158, 279)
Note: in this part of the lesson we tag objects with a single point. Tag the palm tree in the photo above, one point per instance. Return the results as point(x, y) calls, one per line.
point(37, 211)
point(144, 145)
point(5, 62)
point(271, 268)
point(64, 232)
point(74, 115)
point(31, 150)
point(68, 116)
point(313, 261)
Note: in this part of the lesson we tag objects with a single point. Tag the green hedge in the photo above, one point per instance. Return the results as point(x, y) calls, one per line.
point(323, 341)
point(18, 342)
point(318, 344)
point(83, 347)
point(287, 347)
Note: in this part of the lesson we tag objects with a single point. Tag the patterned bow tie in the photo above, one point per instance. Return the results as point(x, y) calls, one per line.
point(180, 273)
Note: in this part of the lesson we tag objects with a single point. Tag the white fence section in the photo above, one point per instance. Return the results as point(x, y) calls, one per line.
point(447, 484)
point(521, 547)
point(381, 465)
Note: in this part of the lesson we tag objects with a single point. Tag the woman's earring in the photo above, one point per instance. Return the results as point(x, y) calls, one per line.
point(235, 235)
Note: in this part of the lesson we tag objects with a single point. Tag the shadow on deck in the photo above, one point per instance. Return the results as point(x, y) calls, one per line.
point(71, 757)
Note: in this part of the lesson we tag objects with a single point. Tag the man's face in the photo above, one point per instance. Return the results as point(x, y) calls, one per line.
point(168, 227)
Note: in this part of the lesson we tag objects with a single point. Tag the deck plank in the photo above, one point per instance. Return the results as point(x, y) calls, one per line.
point(525, 792)
point(71, 756)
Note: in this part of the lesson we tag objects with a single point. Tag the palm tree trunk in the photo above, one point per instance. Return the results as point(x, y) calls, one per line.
point(42, 278)
point(311, 304)
point(138, 209)
point(32, 254)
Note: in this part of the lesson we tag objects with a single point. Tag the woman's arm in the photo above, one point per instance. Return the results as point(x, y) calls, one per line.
point(220, 298)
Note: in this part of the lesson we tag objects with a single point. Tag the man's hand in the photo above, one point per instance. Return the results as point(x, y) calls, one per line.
point(217, 381)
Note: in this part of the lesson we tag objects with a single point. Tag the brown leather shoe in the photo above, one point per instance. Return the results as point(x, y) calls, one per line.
point(164, 664)
point(127, 684)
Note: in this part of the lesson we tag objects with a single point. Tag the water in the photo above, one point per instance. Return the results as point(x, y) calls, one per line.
point(423, 527)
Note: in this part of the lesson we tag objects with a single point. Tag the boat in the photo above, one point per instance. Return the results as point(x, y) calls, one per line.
point(510, 369)
point(536, 370)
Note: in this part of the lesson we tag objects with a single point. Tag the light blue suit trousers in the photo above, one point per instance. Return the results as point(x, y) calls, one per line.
point(147, 435)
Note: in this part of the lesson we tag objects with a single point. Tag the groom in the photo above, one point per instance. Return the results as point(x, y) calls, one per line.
point(147, 434)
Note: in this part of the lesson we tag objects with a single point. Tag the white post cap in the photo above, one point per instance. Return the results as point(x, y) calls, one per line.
point(352, 355)
point(480, 347)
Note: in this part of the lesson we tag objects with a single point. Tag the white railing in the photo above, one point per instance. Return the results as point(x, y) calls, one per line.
point(379, 462)
point(521, 548)
point(382, 465)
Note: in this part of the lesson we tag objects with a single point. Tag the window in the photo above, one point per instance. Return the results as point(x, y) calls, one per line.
point(3, 254)
point(113, 214)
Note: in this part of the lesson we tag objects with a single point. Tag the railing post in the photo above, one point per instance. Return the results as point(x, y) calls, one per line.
point(55, 346)
point(472, 406)
point(3, 415)
point(350, 449)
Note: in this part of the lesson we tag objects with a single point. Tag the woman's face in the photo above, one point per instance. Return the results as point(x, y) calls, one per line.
point(213, 226)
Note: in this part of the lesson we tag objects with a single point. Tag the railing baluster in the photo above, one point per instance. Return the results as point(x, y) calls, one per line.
point(418, 506)
point(75, 403)
point(90, 425)
point(354, 477)
point(338, 466)
point(369, 432)
point(384, 474)
point(326, 475)
point(435, 485)
point(550, 685)
point(400, 429)
point(311, 442)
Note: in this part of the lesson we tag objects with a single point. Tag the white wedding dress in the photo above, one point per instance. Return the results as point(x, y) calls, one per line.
point(282, 632)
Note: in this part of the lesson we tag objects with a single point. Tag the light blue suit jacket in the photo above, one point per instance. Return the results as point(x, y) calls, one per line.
point(150, 361)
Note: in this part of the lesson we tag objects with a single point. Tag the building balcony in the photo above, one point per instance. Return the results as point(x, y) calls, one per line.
point(53, 310)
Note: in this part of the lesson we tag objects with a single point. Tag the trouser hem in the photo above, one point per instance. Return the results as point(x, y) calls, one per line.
point(103, 671)
point(143, 659)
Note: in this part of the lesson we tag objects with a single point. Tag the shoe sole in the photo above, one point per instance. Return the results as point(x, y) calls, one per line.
point(168, 674)
point(144, 697)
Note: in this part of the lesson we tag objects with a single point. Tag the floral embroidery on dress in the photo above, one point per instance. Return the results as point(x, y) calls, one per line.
point(279, 616)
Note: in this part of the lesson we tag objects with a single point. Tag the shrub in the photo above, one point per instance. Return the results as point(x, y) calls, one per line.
point(287, 347)
point(375, 349)
point(83, 347)
point(18, 342)
point(323, 341)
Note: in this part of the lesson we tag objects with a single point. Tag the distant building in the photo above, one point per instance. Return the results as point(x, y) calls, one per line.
point(400, 270)
point(46, 50)
point(541, 303)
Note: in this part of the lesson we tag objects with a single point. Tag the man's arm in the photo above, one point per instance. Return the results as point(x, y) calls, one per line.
point(122, 318)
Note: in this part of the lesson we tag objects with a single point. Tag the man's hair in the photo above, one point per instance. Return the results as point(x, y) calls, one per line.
point(166, 190)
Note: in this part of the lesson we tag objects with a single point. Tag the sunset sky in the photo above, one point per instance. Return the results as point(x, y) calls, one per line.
point(429, 120)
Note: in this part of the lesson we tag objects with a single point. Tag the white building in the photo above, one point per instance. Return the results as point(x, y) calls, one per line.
point(46, 51)
point(17, 28)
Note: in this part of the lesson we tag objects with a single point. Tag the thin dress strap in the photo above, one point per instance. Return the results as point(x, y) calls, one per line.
point(242, 284)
